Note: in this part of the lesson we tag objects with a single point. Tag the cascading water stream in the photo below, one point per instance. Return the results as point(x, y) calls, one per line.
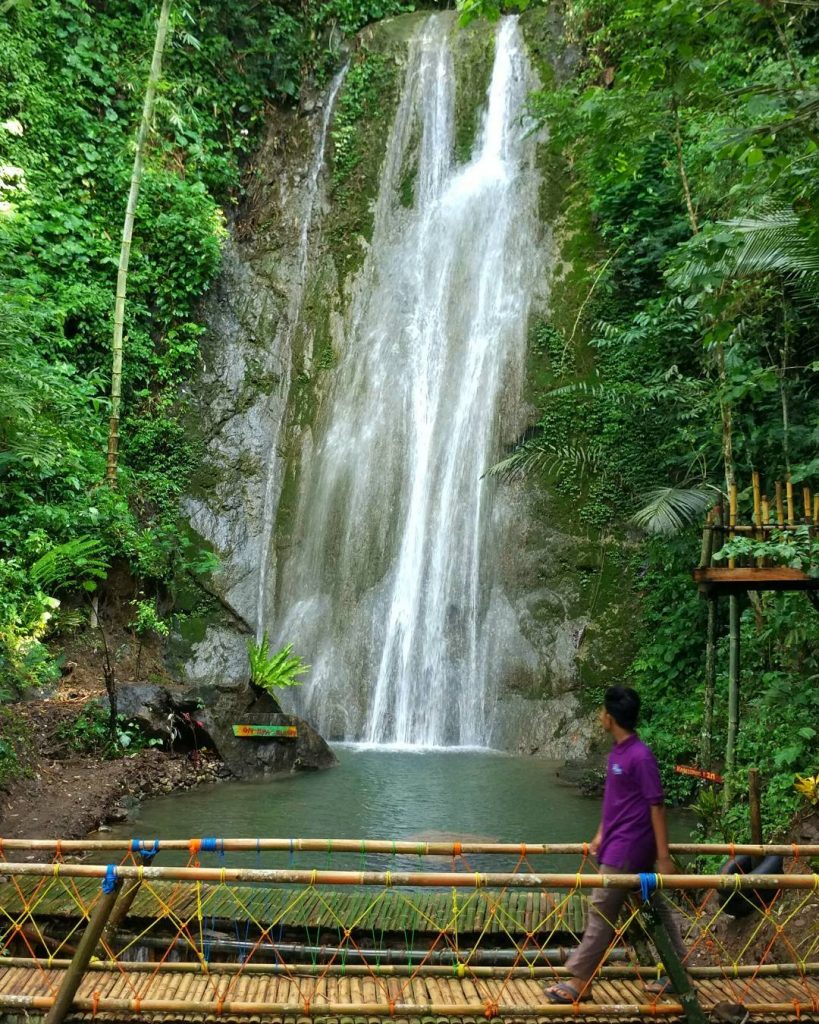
point(292, 320)
point(387, 588)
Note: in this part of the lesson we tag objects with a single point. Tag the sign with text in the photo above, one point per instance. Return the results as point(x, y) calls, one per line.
point(278, 732)
point(698, 773)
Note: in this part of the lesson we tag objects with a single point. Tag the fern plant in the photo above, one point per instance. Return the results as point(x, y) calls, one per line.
point(76, 561)
point(274, 671)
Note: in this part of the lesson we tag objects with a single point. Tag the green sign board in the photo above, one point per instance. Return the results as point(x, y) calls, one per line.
point(279, 732)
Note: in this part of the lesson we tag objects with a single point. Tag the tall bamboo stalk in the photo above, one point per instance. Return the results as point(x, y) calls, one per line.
point(127, 233)
point(733, 694)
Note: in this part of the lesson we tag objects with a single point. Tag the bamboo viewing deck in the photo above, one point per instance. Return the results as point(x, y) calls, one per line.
point(137, 942)
point(781, 521)
point(109, 995)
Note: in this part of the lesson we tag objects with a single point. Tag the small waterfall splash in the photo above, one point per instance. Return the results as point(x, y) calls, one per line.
point(272, 476)
point(387, 589)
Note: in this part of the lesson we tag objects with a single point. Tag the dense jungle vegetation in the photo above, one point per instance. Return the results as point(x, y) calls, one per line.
point(687, 135)
point(686, 141)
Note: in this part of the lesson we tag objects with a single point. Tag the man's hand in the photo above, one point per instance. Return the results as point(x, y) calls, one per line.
point(594, 845)
point(666, 866)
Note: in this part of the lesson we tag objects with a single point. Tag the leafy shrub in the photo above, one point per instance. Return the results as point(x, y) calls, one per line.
point(274, 671)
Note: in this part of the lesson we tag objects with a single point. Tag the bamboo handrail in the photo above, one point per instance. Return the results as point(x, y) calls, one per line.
point(405, 879)
point(387, 846)
point(404, 970)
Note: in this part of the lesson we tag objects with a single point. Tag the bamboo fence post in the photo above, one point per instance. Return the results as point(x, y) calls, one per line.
point(85, 950)
point(733, 694)
point(680, 982)
point(789, 500)
point(780, 506)
point(816, 510)
point(126, 901)
point(706, 739)
point(757, 498)
point(732, 518)
point(758, 534)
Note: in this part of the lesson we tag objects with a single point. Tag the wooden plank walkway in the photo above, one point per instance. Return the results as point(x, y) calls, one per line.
point(283, 995)
point(412, 911)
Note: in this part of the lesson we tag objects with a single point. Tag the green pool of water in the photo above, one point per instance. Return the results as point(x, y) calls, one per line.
point(385, 794)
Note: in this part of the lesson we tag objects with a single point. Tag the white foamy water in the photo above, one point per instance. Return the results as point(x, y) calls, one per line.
point(386, 590)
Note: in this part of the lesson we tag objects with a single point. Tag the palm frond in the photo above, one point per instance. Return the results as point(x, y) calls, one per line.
point(773, 240)
point(668, 510)
point(590, 390)
point(540, 456)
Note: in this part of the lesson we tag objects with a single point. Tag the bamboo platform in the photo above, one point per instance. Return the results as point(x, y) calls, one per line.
point(418, 912)
point(714, 581)
point(131, 995)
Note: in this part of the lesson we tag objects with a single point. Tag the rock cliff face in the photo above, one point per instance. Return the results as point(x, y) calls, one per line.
point(279, 326)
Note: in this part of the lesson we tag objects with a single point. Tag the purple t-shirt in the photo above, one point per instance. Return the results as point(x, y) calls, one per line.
point(632, 787)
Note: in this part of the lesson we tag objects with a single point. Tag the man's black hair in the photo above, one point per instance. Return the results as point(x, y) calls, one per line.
point(623, 704)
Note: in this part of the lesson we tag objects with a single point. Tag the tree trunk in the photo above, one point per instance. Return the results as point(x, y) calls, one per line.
point(689, 205)
point(127, 233)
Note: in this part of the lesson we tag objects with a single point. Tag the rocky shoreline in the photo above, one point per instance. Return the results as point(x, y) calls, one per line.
point(66, 795)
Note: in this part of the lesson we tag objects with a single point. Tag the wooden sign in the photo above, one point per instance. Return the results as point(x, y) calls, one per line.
point(279, 732)
point(698, 773)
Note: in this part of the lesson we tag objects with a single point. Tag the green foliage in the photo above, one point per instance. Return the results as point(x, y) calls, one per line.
point(351, 15)
point(794, 548)
point(15, 741)
point(274, 671)
point(685, 128)
point(89, 733)
point(364, 86)
point(670, 509)
point(147, 621)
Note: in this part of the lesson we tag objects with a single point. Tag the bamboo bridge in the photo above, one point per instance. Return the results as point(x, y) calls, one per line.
point(357, 932)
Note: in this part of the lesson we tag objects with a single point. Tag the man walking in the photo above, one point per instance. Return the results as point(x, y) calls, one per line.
point(632, 836)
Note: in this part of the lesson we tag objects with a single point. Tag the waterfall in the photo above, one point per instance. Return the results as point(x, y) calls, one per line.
point(272, 475)
point(387, 586)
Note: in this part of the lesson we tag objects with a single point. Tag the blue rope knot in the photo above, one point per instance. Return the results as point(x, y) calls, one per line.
point(141, 846)
point(210, 844)
point(648, 884)
point(109, 883)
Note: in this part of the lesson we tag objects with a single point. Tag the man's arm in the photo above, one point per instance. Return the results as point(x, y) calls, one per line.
point(665, 865)
point(594, 846)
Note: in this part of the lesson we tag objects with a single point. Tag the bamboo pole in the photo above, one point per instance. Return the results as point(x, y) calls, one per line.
point(127, 233)
point(790, 970)
point(807, 503)
point(732, 518)
point(816, 510)
point(757, 498)
point(434, 879)
point(357, 846)
point(706, 737)
point(680, 981)
point(789, 499)
point(75, 971)
point(780, 507)
point(307, 1008)
point(757, 511)
point(733, 695)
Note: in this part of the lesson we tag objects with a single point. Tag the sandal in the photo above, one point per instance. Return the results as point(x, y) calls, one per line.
point(659, 986)
point(564, 994)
